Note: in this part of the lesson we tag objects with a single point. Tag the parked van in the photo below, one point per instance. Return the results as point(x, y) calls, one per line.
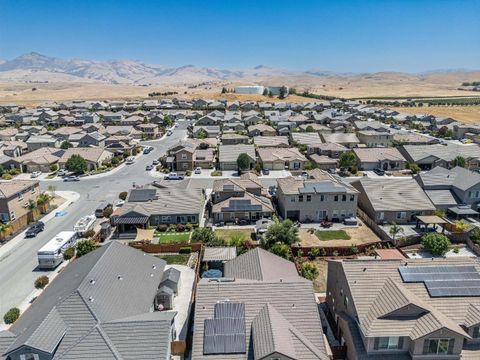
point(99, 210)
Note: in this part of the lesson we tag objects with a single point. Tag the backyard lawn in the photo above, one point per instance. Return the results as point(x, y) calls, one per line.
point(332, 235)
point(234, 235)
point(173, 237)
point(177, 259)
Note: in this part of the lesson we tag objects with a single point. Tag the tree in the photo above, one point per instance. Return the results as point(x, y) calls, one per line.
point(69, 253)
point(41, 282)
point(394, 230)
point(4, 227)
point(224, 90)
point(201, 134)
point(309, 271)
point(85, 246)
point(265, 92)
point(310, 129)
point(347, 160)
point(167, 120)
point(2, 170)
point(32, 205)
point(243, 162)
point(53, 167)
point(77, 164)
point(282, 250)
point(108, 212)
point(206, 236)
point(437, 244)
point(414, 168)
point(284, 232)
point(123, 195)
point(43, 200)
point(292, 91)
point(11, 316)
point(66, 145)
point(459, 161)
point(283, 92)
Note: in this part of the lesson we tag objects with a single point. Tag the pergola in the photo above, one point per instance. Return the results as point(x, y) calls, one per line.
point(427, 220)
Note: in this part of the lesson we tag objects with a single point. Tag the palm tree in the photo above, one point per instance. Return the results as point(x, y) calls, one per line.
point(52, 189)
point(395, 229)
point(43, 200)
point(4, 227)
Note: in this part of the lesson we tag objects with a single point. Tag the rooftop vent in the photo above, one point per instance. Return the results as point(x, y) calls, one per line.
point(154, 267)
point(90, 299)
point(119, 277)
point(92, 281)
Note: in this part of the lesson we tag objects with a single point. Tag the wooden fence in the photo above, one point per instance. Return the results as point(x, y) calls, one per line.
point(336, 250)
point(164, 248)
point(373, 225)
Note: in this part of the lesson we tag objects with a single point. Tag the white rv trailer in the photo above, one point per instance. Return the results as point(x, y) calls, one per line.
point(51, 254)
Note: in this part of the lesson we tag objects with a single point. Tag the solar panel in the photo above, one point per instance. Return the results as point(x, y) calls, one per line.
point(444, 281)
point(225, 333)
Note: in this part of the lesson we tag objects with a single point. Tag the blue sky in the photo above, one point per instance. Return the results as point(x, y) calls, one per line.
point(345, 36)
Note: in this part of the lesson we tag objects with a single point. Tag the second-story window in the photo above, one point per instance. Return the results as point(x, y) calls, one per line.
point(476, 332)
point(388, 343)
point(344, 197)
point(300, 198)
point(309, 198)
point(335, 198)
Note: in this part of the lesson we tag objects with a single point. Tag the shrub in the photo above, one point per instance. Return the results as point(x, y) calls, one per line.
point(123, 195)
point(115, 161)
point(456, 250)
point(335, 253)
point(300, 253)
point(41, 282)
point(188, 173)
point(313, 253)
point(475, 235)
point(172, 227)
point(53, 167)
point(354, 169)
point(309, 271)
point(282, 250)
point(216, 173)
point(7, 176)
point(89, 234)
point(14, 171)
point(180, 228)
point(437, 244)
point(354, 249)
point(69, 253)
point(185, 250)
point(85, 246)
point(11, 315)
point(189, 227)
point(107, 212)
point(323, 252)
point(162, 227)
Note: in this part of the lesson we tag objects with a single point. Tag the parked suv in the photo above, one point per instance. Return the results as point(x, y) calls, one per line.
point(34, 229)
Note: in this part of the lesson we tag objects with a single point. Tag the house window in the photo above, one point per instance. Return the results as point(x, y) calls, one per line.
point(29, 357)
point(401, 215)
point(352, 197)
point(381, 216)
point(300, 198)
point(388, 343)
point(335, 198)
point(184, 156)
point(322, 198)
point(345, 301)
point(344, 197)
point(292, 199)
point(476, 332)
point(165, 218)
point(309, 198)
point(438, 346)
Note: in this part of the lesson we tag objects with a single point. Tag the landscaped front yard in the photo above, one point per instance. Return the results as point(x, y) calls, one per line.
point(332, 235)
point(234, 236)
point(173, 237)
point(177, 259)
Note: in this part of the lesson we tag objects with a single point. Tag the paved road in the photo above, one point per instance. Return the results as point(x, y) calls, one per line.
point(18, 269)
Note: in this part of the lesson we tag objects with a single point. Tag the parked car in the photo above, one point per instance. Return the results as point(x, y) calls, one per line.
point(198, 170)
point(101, 209)
point(146, 151)
point(155, 162)
point(130, 160)
point(350, 221)
point(379, 172)
point(120, 203)
point(149, 167)
point(36, 174)
point(34, 229)
point(71, 178)
point(265, 171)
point(173, 176)
point(169, 132)
point(62, 172)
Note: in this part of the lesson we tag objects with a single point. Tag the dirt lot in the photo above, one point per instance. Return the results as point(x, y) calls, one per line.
point(468, 114)
point(320, 283)
point(358, 235)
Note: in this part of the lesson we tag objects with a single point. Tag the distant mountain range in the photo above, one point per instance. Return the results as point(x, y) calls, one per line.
point(35, 67)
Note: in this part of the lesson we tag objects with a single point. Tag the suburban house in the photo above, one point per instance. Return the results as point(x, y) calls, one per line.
point(189, 154)
point(305, 138)
point(348, 140)
point(379, 158)
point(15, 197)
point(233, 139)
point(405, 308)
point(240, 199)
point(94, 156)
point(149, 131)
point(79, 315)
point(270, 308)
point(36, 142)
point(430, 156)
point(228, 155)
point(271, 141)
point(261, 130)
point(209, 131)
point(92, 139)
point(281, 158)
point(448, 188)
point(8, 134)
point(160, 203)
point(324, 162)
point(320, 196)
point(327, 149)
point(392, 200)
point(372, 138)
point(38, 160)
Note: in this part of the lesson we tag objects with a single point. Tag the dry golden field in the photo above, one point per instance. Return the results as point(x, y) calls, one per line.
point(468, 114)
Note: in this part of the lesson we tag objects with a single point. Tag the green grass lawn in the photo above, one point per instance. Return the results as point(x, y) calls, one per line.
point(234, 235)
point(173, 237)
point(332, 235)
point(178, 259)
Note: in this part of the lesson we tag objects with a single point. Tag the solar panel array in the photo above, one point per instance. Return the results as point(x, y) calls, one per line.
point(444, 281)
point(225, 333)
point(321, 187)
point(242, 205)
